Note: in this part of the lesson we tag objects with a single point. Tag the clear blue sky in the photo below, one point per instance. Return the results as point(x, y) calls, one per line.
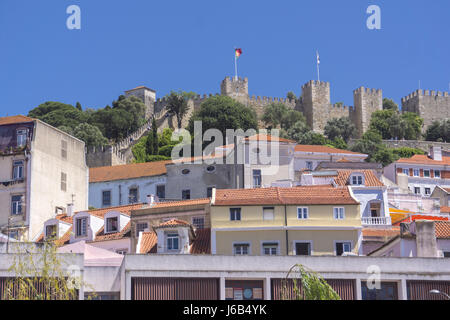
point(189, 45)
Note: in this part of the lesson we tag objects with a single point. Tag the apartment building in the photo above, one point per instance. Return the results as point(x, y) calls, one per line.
point(42, 172)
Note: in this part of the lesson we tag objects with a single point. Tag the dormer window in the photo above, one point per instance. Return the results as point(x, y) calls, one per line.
point(357, 179)
point(173, 241)
point(81, 227)
point(112, 225)
point(50, 231)
point(21, 137)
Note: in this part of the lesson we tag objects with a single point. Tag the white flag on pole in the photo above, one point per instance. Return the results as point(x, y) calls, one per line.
point(318, 58)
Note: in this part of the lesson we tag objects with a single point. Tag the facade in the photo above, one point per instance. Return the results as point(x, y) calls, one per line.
point(442, 193)
point(126, 184)
point(315, 220)
point(424, 172)
point(43, 172)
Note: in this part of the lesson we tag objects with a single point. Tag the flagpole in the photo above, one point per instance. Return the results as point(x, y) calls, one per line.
point(235, 66)
point(317, 61)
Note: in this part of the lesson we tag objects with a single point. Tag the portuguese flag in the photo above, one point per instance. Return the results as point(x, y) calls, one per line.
point(238, 52)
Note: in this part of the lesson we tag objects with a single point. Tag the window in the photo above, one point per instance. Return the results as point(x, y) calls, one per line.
point(257, 178)
point(106, 198)
point(140, 227)
point(14, 234)
point(21, 137)
point(426, 173)
point(270, 249)
point(50, 231)
point(309, 165)
point(59, 210)
point(386, 291)
point(209, 192)
point(16, 204)
point(268, 213)
point(172, 241)
point(241, 248)
point(427, 191)
point(339, 213)
point(302, 213)
point(303, 248)
point(64, 149)
point(406, 171)
point(63, 181)
point(446, 254)
point(416, 172)
point(417, 190)
point(18, 170)
point(357, 180)
point(235, 214)
point(161, 191)
point(112, 224)
point(437, 174)
point(342, 247)
point(198, 222)
point(81, 227)
point(186, 194)
point(133, 195)
point(375, 209)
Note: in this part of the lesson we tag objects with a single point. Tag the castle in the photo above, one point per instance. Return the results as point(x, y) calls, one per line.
point(314, 102)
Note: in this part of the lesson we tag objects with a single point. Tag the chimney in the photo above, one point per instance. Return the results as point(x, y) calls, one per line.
point(436, 153)
point(426, 239)
point(151, 200)
point(70, 209)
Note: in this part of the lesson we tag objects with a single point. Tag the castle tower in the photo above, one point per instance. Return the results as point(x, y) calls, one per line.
point(366, 101)
point(235, 88)
point(316, 104)
point(429, 105)
point(147, 95)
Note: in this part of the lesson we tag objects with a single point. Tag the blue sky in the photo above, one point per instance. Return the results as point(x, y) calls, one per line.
point(189, 45)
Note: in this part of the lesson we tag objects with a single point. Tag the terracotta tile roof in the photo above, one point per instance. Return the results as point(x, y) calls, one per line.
point(65, 218)
point(190, 202)
point(343, 160)
point(124, 233)
point(445, 209)
point(149, 242)
point(412, 217)
point(384, 233)
point(140, 87)
point(269, 138)
point(442, 229)
point(174, 223)
point(276, 195)
point(128, 171)
point(370, 178)
point(323, 149)
point(125, 209)
point(15, 119)
point(424, 159)
point(202, 242)
point(64, 239)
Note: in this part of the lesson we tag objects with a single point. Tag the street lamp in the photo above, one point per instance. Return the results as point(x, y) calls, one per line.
point(434, 291)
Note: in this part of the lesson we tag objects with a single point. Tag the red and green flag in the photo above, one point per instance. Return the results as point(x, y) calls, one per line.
point(238, 52)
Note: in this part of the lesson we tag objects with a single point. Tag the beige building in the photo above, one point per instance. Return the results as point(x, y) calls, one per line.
point(42, 172)
point(313, 220)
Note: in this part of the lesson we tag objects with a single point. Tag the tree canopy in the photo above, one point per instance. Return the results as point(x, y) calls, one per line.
point(278, 115)
point(438, 131)
point(389, 104)
point(390, 124)
point(341, 128)
point(91, 135)
point(177, 105)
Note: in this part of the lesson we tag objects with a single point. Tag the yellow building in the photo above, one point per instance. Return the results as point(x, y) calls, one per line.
point(312, 220)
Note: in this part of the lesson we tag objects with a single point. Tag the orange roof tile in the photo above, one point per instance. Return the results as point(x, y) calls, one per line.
point(128, 171)
point(202, 242)
point(442, 229)
point(15, 119)
point(149, 242)
point(124, 233)
point(445, 209)
point(412, 217)
point(65, 218)
point(323, 149)
point(174, 223)
point(276, 195)
point(375, 232)
point(64, 239)
point(424, 159)
point(125, 209)
point(190, 202)
point(370, 178)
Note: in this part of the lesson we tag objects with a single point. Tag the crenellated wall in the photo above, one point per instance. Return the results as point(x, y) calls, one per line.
point(366, 102)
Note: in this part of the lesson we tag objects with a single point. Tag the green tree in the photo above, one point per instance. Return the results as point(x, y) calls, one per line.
point(389, 104)
point(66, 129)
point(391, 124)
point(91, 135)
point(381, 122)
point(340, 128)
point(279, 115)
point(58, 114)
point(78, 106)
point(291, 96)
point(222, 112)
point(385, 156)
point(152, 145)
point(304, 284)
point(413, 125)
point(438, 131)
point(406, 152)
point(177, 105)
point(339, 143)
point(370, 143)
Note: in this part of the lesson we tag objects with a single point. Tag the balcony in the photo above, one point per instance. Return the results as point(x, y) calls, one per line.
point(376, 221)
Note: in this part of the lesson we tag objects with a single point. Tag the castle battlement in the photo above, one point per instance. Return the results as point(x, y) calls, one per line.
point(316, 83)
point(424, 93)
point(368, 91)
point(341, 106)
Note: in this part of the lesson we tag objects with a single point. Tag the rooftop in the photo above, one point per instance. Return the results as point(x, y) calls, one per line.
point(125, 209)
point(127, 171)
point(15, 119)
point(297, 195)
point(371, 179)
point(424, 159)
point(325, 149)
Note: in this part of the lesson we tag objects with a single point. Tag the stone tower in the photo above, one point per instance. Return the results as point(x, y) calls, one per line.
point(235, 88)
point(429, 105)
point(315, 104)
point(366, 101)
point(147, 95)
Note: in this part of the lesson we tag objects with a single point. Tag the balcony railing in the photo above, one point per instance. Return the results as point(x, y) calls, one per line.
point(376, 221)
